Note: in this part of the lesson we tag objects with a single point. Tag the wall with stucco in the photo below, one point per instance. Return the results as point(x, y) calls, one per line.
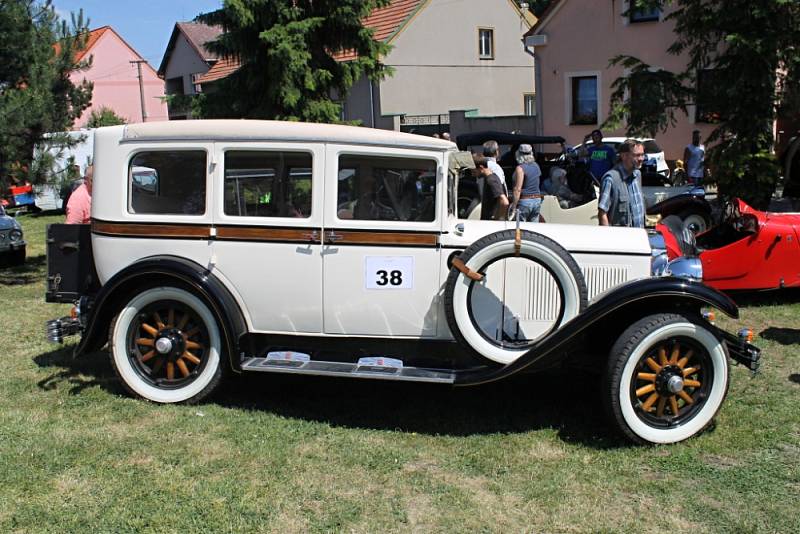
point(183, 62)
point(116, 82)
point(437, 68)
point(582, 36)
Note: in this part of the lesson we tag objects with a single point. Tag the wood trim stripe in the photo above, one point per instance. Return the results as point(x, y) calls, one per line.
point(267, 234)
point(152, 230)
point(258, 233)
point(356, 237)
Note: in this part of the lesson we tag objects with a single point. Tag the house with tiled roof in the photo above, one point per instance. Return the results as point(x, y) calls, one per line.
point(574, 78)
point(186, 59)
point(446, 55)
point(123, 80)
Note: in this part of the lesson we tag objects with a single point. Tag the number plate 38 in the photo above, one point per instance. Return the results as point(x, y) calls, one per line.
point(389, 272)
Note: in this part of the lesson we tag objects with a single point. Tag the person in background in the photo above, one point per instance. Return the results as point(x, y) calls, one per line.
point(79, 205)
point(446, 136)
point(491, 150)
point(494, 201)
point(599, 156)
point(694, 156)
point(527, 194)
point(621, 201)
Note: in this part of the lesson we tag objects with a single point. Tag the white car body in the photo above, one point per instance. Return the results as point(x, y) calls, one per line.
point(329, 250)
point(323, 287)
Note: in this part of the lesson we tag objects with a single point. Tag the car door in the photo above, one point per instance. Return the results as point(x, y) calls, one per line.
point(268, 222)
point(381, 241)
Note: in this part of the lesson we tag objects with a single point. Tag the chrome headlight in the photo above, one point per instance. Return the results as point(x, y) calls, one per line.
point(689, 268)
point(15, 235)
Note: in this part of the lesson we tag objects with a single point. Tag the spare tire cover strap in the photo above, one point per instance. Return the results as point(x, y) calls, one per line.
point(469, 273)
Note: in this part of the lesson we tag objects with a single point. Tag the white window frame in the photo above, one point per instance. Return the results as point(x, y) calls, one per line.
point(568, 76)
point(525, 104)
point(625, 7)
point(491, 54)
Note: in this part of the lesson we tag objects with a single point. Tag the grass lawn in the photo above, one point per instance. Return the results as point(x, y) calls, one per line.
point(294, 454)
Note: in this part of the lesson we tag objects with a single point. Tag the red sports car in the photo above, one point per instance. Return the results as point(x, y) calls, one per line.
point(749, 249)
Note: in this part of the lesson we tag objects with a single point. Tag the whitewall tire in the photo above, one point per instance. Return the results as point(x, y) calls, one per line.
point(553, 271)
point(165, 346)
point(666, 379)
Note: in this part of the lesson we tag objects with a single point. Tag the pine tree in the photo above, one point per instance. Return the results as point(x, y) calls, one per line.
point(36, 94)
point(286, 49)
point(748, 53)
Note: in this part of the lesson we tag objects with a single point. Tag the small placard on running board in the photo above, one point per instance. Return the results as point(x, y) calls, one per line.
point(288, 358)
point(379, 363)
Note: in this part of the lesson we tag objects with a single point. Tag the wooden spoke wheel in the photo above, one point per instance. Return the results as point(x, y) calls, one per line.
point(666, 379)
point(671, 382)
point(166, 346)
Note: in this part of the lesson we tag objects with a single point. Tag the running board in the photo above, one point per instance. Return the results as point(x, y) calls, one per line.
point(350, 370)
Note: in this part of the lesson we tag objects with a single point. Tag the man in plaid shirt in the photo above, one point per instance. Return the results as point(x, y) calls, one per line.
point(621, 201)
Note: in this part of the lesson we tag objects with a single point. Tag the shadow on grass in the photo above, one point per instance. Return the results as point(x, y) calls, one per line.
point(77, 373)
point(794, 377)
point(569, 404)
point(29, 272)
point(772, 297)
point(784, 336)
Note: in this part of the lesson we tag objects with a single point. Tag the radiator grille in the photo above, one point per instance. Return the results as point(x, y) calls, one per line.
point(546, 301)
point(600, 278)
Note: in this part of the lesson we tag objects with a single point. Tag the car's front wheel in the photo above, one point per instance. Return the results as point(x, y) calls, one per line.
point(695, 221)
point(666, 379)
point(165, 346)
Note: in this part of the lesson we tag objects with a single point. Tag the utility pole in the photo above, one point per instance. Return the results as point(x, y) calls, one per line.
point(138, 63)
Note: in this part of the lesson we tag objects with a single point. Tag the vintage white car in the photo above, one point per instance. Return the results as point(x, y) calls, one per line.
point(259, 246)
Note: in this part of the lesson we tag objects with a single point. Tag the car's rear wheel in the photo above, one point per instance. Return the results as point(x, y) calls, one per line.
point(508, 294)
point(165, 346)
point(666, 379)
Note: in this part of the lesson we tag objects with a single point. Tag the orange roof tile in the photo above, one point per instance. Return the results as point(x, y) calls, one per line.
point(222, 68)
point(385, 22)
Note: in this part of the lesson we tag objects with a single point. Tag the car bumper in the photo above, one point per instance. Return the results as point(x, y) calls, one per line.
point(16, 245)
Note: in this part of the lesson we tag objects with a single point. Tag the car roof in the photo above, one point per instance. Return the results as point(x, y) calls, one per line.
point(257, 130)
point(503, 138)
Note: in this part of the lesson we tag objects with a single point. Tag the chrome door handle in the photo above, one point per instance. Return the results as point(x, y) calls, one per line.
point(460, 228)
point(333, 237)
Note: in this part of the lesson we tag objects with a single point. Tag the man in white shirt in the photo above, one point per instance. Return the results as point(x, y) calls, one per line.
point(490, 151)
point(694, 156)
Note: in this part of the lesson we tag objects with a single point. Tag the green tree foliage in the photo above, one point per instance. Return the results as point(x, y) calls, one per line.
point(743, 69)
point(286, 50)
point(36, 94)
point(104, 116)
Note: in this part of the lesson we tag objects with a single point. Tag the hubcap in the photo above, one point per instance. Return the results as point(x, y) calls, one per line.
point(674, 384)
point(163, 345)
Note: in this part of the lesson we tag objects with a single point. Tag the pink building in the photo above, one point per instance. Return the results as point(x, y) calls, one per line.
point(573, 43)
point(115, 73)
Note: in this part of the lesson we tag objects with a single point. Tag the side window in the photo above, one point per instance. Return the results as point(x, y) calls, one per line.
point(584, 100)
point(167, 182)
point(485, 43)
point(260, 183)
point(380, 188)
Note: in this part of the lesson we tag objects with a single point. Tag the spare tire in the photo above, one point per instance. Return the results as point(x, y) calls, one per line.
point(522, 295)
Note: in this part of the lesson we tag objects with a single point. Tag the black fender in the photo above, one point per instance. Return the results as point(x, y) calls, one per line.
point(679, 204)
point(164, 269)
point(658, 294)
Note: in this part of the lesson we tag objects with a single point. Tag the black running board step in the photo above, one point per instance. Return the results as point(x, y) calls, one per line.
point(351, 370)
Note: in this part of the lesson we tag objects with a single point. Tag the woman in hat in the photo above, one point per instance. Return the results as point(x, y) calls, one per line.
point(527, 194)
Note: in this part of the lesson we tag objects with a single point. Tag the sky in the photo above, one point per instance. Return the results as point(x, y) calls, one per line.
point(145, 24)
